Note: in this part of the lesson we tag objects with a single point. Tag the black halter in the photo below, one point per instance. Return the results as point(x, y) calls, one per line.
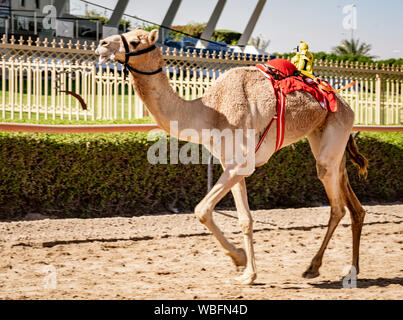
point(129, 54)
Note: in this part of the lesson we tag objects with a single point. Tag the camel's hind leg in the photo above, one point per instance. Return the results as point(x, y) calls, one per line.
point(328, 148)
point(357, 214)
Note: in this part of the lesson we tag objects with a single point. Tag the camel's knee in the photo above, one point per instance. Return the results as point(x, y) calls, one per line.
point(246, 224)
point(337, 212)
point(325, 169)
point(203, 213)
point(357, 216)
point(322, 170)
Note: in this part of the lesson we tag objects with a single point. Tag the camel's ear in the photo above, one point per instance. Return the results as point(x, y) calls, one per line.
point(153, 36)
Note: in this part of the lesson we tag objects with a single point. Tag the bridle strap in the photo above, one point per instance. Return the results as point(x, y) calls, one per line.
point(126, 45)
point(129, 54)
point(143, 72)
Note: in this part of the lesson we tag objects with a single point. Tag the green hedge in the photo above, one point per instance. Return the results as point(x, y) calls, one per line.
point(96, 175)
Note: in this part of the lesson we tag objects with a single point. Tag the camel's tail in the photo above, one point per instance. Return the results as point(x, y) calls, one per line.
point(357, 158)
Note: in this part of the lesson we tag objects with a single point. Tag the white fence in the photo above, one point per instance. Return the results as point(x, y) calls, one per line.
point(35, 74)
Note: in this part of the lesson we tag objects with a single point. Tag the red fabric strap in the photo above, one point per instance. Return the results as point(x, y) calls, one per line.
point(280, 116)
point(289, 81)
point(280, 121)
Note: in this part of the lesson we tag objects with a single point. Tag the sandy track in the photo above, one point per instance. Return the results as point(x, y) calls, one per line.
point(175, 257)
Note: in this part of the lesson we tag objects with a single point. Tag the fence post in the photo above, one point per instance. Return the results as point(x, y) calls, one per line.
point(400, 119)
point(380, 112)
point(97, 30)
point(12, 23)
point(35, 23)
point(6, 29)
point(210, 173)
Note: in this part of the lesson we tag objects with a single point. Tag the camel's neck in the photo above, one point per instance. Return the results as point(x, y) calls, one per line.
point(165, 105)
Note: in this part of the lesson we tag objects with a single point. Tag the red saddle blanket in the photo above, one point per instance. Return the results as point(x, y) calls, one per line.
point(285, 78)
point(288, 82)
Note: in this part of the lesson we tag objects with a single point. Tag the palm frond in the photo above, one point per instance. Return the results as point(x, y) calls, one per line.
point(353, 47)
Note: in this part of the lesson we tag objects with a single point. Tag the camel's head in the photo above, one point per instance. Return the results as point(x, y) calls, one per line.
point(112, 48)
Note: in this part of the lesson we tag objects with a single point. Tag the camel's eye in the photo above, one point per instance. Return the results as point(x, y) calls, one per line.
point(134, 43)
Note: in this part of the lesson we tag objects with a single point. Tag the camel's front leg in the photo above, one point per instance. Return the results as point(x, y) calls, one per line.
point(246, 223)
point(205, 208)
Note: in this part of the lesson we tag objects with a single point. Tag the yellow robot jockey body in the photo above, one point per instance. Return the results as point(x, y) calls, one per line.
point(303, 60)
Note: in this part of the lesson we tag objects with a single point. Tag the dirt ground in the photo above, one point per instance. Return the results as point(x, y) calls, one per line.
point(174, 257)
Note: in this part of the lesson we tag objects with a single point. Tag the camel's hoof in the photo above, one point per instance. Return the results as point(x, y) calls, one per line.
point(238, 257)
point(310, 273)
point(246, 278)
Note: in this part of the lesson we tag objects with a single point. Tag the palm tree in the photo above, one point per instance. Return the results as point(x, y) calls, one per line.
point(353, 47)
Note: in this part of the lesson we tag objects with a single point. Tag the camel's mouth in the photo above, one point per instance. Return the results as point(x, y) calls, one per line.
point(104, 54)
point(104, 58)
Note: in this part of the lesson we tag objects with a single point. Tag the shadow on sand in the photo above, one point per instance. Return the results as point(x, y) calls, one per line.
point(361, 283)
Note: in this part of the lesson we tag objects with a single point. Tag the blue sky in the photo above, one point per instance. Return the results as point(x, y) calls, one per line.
point(286, 22)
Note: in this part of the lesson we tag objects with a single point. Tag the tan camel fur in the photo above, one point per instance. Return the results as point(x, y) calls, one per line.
point(243, 98)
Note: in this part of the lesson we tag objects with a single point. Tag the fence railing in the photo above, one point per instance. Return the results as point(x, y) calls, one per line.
point(35, 76)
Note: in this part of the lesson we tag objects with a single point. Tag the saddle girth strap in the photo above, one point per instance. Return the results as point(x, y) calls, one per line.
point(280, 113)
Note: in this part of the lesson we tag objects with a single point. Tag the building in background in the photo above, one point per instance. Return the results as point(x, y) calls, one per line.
point(32, 18)
point(30, 7)
point(5, 8)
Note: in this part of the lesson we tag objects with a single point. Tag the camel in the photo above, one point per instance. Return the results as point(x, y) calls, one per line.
point(242, 98)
